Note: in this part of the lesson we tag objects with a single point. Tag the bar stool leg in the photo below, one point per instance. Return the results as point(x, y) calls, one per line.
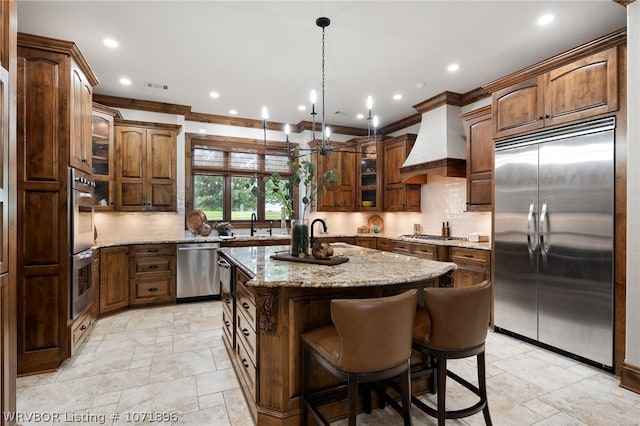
point(405, 384)
point(352, 390)
point(482, 385)
point(442, 388)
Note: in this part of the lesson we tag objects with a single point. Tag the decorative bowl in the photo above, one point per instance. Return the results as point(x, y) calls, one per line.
point(367, 204)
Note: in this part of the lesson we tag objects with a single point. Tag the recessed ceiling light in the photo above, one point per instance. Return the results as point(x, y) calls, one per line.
point(453, 67)
point(233, 112)
point(360, 116)
point(546, 19)
point(397, 97)
point(214, 95)
point(109, 42)
point(301, 107)
point(125, 81)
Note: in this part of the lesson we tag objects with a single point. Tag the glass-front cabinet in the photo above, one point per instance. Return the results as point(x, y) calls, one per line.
point(368, 177)
point(102, 150)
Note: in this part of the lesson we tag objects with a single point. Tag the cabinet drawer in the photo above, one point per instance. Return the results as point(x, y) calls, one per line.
point(227, 327)
point(246, 304)
point(384, 244)
point(80, 330)
point(247, 335)
point(425, 251)
point(152, 250)
point(145, 291)
point(462, 255)
point(247, 371)
point(402, 247)
point(155, 265)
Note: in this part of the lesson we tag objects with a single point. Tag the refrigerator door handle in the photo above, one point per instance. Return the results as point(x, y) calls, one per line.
point(544, 232)
point(532, 231)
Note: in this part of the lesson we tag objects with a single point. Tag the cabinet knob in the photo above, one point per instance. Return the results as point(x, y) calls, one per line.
point(245, 305)
point(152, 289)
point(153, 266)
point(83, 327)
point(245, 364)
point(245, 332)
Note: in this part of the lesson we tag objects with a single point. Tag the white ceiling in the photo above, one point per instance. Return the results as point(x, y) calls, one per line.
point(269, 53)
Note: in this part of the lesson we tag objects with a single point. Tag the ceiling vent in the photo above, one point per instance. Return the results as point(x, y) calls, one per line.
point(150, 85)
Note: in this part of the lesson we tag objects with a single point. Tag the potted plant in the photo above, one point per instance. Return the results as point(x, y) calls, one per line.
point(303, 173)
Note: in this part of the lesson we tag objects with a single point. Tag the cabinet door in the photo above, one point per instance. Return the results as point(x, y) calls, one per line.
point(582, 89)
point(131, 156)
point(102, 163)
point(161, 170)
point(329, 199)
point(518, 108)
point(346, 187)
point(114, 279)
point(394, 155)
point(80, 139)
point(4, 171)
point(479, 161)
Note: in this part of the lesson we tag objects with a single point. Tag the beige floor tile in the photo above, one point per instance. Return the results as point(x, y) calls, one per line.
point(560, 419)
point(216, 381)
point(211, 400)
point(184, 364)
point(216, 415)
point(177, 396)
point(126, 379)
point(237, 407)
point(196, 340)
point(153, 350)
point(57, 397)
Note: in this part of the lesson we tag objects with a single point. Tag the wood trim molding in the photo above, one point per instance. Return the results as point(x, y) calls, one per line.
point(623, 2)
point(61, 46)
point(106, 110)
point(605, 42)
point(449, 98)
point(172, 127)
point(630, 377)
point(401, 124)
point(151, 106)
point(476, 113)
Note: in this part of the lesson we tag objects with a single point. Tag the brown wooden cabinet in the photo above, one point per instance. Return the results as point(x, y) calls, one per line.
point(50, 121)
point(584, 88)
point(384, 244)
point(102, 156)
point(341, 196)
point(474, 266)
point(152, 274)
point(368, 242)
point(114, 278)
point(247, 349)
point(478, 129)
point(398, 196)
point(146, 166)
point(368, 175)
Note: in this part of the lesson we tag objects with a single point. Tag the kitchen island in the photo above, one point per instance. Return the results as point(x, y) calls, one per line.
point(268, 303)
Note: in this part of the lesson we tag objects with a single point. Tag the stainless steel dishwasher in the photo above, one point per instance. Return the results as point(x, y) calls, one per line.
point(197, 272)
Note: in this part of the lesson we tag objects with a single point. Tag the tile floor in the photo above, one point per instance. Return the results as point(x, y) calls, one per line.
point(172, 360)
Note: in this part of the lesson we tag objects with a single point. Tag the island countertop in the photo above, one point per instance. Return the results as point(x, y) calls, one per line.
point(366, 267)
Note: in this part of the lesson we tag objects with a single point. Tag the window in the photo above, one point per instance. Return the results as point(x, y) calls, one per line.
point(223, 175)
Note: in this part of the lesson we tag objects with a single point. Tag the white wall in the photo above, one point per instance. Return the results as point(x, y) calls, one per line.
point(633, 188)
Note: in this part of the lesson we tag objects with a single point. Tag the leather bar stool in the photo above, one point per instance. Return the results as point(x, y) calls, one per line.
point(370, 340)
point(454, 325)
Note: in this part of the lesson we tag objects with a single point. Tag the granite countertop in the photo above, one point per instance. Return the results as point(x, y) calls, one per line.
point(188, 237)
point(366, 267)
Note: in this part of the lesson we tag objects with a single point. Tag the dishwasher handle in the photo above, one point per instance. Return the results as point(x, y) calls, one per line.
point(198, 248)
point(224, 264)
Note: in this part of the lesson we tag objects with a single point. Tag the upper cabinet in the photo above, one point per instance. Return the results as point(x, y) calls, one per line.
point(145, 166)
point(478, 129)
point(398, 196)
point(80, 147)
point(103, 151)
point(369, 172)
point(341, 196)
point(584, 88)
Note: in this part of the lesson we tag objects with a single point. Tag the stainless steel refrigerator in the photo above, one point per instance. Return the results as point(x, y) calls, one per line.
point(554, 238)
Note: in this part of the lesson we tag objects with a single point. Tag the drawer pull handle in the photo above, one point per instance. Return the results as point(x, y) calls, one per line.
point(245, 332)
point(83, 327)
point(245, 305)
point(152, 250)
point(153, 266)
point(468, 255)
point(227, 323)
point(245, 363)
point(227, 301)
point(153, 289)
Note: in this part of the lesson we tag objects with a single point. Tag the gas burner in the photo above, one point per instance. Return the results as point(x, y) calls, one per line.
point(431, 237)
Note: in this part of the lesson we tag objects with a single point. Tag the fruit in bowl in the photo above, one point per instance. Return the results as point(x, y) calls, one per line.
point(321, 250)
point(367, 204)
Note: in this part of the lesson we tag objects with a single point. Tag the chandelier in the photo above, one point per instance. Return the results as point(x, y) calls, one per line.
point(325, 140)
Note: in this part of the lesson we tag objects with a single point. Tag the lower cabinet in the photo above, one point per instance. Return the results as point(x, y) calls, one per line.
point(114, 279)
point(368, 242)
point(474, 266)
point(152, 274)
point(80, 329)
point(246, 349)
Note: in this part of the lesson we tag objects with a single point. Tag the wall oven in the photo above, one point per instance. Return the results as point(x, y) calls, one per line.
point(81, 280)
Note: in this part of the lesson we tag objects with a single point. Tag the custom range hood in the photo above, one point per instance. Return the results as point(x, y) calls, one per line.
point(440, 147)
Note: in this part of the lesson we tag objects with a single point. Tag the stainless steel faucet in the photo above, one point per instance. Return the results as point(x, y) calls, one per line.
point(254, 218)
point(324, 228)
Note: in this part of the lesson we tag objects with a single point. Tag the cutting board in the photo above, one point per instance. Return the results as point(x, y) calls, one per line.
point(335, 260)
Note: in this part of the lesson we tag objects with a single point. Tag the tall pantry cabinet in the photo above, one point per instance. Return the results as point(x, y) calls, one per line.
point(54, 132)
point(8, 60)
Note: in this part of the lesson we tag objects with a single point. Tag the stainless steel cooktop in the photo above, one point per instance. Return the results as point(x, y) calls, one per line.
point(431, 237)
